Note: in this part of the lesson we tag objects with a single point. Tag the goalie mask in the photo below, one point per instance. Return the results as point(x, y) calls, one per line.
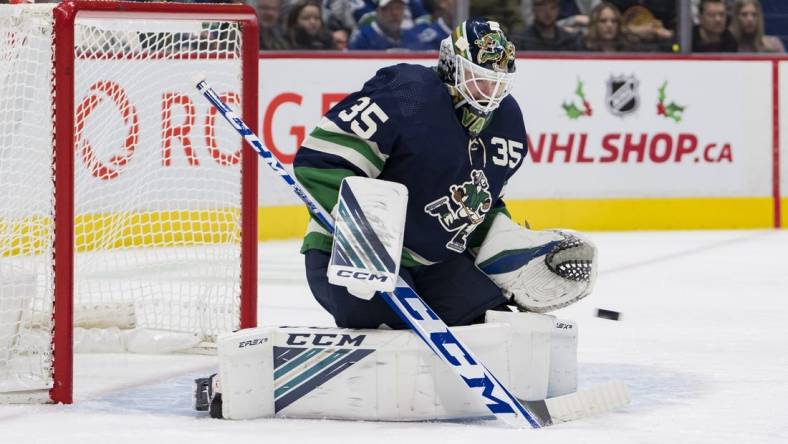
point(477, 61)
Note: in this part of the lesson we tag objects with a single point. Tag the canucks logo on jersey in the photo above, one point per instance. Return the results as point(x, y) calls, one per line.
point(472, 200)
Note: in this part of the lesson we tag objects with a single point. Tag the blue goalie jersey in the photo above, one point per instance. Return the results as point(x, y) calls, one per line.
point(402, 127)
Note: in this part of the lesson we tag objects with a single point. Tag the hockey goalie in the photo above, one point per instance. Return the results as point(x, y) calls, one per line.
point(414, 166)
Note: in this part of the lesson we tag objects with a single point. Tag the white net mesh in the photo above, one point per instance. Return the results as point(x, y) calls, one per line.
point(157, 181)
point(26, 194)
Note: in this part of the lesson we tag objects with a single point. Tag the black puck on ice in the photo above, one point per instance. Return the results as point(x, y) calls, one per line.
point(608, 314)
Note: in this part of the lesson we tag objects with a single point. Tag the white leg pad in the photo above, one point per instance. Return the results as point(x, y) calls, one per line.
point(563, 358)
point(530, 354)
point(302, 372)
point(389, 375)
point(246, 373)
point(544, 354)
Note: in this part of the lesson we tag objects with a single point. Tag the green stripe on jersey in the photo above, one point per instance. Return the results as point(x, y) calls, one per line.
point(328, 125)
point(322, 183)
point(317, 241)
point(356, 151)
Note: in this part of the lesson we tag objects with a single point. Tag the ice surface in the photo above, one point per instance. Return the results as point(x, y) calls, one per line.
point(702, 345)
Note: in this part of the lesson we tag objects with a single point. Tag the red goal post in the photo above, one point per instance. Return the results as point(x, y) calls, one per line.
point(135, 189)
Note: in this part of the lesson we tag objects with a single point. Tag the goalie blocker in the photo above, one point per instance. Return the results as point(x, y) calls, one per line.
point(383, 374)
point(369, 229)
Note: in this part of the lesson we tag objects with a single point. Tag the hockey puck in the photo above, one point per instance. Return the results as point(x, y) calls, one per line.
point(608, 314)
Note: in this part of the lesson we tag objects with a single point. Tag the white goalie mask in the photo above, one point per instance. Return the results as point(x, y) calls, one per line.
point(482, 88)
point(478, 61)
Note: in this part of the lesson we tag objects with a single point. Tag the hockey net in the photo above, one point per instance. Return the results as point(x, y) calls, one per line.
point(112, 166)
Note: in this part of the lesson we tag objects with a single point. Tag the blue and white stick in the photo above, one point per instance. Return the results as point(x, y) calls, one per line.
point(404, 300)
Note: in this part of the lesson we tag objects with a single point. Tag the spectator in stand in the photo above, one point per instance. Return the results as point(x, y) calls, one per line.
point(428, 36)
point(747, 28)
point(640, 25)
point(384, 31)
point(545, 34)
point(271, 35)
point(338, 14)
point(364, 12)
point(340, 37)
point(505, 12)
point(305, 29)
point(575, 15)
point(711, 34)
point(695, 8)
point(605, 31)
point(662, 10)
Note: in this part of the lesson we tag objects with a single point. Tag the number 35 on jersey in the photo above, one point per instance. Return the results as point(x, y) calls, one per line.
point(364, 116)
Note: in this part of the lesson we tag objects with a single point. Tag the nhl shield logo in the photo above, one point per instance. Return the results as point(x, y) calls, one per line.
point(622, 95)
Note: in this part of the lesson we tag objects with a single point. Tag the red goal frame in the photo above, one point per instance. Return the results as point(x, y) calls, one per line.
point(65, 15)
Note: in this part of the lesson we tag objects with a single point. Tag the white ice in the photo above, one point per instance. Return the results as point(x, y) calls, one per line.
point(702, 345)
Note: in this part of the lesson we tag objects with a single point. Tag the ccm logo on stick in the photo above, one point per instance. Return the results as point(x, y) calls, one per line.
point(362, 275)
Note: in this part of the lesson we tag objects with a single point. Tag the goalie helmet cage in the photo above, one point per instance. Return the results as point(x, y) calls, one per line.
point(167, 205)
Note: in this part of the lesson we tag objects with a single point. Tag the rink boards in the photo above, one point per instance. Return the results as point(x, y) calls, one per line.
point(614, 144)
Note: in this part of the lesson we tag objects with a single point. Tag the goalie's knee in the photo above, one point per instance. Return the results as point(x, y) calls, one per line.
point(347, 310)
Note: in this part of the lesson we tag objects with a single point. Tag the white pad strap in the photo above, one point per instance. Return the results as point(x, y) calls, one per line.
point(368, 235)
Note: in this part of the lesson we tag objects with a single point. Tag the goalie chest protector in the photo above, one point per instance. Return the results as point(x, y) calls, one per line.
point(405, 113)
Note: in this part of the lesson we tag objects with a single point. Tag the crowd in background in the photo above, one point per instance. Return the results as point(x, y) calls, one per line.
point(532, 25)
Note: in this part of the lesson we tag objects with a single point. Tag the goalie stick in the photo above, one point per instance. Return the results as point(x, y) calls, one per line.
point(405, 302)
point(580, 404)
